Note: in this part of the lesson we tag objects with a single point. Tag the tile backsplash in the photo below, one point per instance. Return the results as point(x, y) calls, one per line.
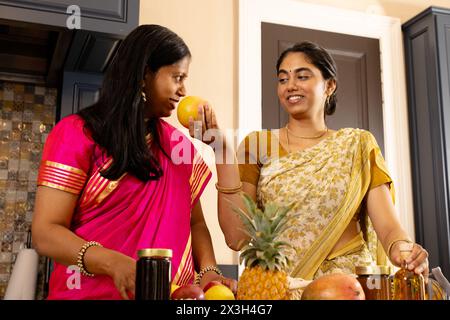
point(27, 114)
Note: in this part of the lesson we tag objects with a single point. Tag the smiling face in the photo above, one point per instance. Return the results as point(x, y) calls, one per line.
point(302, 90)
point(165, 88)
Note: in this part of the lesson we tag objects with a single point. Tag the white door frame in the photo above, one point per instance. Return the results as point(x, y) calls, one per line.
point(298, 14)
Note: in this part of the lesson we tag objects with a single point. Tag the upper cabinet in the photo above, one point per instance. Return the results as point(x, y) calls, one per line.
point(427, 53)
point(108, 16)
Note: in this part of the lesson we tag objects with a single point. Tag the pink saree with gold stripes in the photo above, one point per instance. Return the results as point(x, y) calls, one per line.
point(127, 214)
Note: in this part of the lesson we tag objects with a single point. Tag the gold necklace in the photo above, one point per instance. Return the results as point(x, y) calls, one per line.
point(313, 137)
point(287, 137)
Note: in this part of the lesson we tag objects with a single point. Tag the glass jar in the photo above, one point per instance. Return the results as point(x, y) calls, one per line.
point(407, 284)
point(375, 281)
point(153, 274)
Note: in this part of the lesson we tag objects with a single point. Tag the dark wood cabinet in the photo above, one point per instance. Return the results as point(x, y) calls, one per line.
point(77, 58)
point(427, 53)
point(108, 16)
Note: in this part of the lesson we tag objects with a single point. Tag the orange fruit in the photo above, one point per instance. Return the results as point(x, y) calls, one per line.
point(219, 292)
point(188, 107)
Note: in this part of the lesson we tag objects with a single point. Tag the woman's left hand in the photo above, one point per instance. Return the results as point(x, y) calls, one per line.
point(417, 260)
point(212, 276)
point(206, 129)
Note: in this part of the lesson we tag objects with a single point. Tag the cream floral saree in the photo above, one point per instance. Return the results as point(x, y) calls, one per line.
point(328, 182)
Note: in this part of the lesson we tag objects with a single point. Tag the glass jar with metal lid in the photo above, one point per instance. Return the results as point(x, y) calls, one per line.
point(153, 274)
point(375, 281)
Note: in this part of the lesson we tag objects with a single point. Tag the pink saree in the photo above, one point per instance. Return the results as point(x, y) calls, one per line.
point(124, 215)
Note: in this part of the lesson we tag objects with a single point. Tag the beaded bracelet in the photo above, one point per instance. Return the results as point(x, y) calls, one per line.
point(204, 270)
point(80, 259)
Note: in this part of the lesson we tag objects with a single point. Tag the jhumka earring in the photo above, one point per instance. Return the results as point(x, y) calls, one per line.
point(144, 97)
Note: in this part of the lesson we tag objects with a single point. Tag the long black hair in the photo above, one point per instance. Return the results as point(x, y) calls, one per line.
point(116, 121)
point(320, 58)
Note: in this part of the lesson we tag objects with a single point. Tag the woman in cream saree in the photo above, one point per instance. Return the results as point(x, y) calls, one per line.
point(329, 182)
point(339, 183)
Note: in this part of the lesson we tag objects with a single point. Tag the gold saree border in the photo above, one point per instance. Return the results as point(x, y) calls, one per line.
point(59, 187)
point(62, 177)
point(184, 265)
point(65, 167)
point(200, 172)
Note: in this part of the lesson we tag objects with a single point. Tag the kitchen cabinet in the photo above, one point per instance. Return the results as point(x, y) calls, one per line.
point(427, 54)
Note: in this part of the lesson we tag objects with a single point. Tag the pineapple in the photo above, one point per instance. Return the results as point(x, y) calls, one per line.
point(264, 277)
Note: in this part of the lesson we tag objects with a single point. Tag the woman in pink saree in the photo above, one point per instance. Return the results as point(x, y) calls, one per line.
point(116, 178)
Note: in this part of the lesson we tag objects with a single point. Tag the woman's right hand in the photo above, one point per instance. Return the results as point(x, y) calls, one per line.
point(123, 272)
point(208, 124)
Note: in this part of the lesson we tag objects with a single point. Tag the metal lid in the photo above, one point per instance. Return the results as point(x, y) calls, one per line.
point(369, 270)
point(155, 252)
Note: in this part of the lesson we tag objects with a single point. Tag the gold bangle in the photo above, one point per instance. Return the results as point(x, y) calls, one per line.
point(394, 242)
point(229, 190)
point(204, 270)
point(80, 259)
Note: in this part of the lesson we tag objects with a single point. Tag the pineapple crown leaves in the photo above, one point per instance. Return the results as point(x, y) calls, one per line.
point(264, 227)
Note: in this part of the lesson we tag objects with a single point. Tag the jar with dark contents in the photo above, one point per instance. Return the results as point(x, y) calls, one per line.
point(375, 281)
point(153, 274)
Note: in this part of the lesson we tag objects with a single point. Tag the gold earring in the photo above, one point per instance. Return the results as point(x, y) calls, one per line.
point(144, 97)
point(327, 102)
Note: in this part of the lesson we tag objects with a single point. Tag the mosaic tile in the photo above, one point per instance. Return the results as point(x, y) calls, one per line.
point(32, 176)
point(17, 246)
point(14, 149)
point(6, 247)
point(23, 176)
point(32, 185)
point(13, 164)
point(6, 114)
point(3, 163)
point(8, 105)
point(29, 88)
point(27, 114)
point(49, 100)
point(5, 135)
point(20, 236)
point(5, 257)
point(28, 98)
point(16, 116)
point(8, 237)
point(29, 216)
point(39, 90)
point(4, 278)
point(19, 88)
point(39, 99)
point(13, 175)
point(16, 135)
point(4, 148)
point(5, 268)
point(21, 196)
point(8, 95)
point(19, 97)
point(6, 125)
point(23, 184)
